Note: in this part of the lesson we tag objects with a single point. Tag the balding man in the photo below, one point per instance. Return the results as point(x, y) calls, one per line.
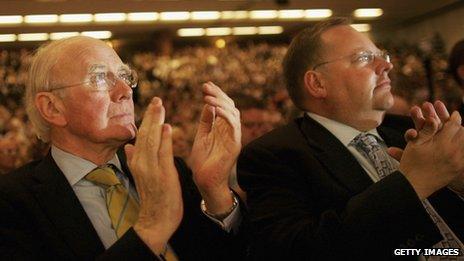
point(83, 201)
point(324, 187)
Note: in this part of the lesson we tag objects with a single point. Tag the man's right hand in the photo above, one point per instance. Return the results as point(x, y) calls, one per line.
point(433, 157)
point(151, 162)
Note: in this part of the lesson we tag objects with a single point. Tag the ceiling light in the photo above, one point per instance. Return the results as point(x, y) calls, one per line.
point(174, 16)
point(220, 43)
point(270, 29)
point(98, 34)
point(11, 19)
point(245, 30)
point(263, 14)
point(234, 14)
point(187, 32)
point(62, 35)
point(368, 12)
point(205, 15)
point(291, 14)
point(110, 17)
point(142, 16)
point(362, 27)
point(76, 18)
point(33, 37)
point(36, 19)
point(7, 37)
point(317, 13)
point(216, 31)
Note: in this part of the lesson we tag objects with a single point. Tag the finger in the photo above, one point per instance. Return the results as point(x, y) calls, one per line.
point(441, 110)
point(428, 131)
point(213, 101)
point(410, 135)
point(231, 119)
point(212, 89)
point(154, 136)
point(206, 119)
point(146, 123)
point(429, 112)
point(417, 117)
point(395, 152)
point(165, 154)
point(129, 150)
point(450, 128)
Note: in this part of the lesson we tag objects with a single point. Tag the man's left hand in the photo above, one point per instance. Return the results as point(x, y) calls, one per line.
point(216, 148)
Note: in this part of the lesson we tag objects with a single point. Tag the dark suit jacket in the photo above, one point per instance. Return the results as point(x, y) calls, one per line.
point(309, 198)
point(41, 218)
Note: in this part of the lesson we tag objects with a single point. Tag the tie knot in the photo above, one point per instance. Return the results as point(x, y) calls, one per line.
point(103, 176)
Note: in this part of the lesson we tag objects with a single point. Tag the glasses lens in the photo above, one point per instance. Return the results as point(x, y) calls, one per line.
point(129, 77)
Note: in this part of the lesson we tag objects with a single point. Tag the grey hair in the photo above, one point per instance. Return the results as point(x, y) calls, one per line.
point(41, 78)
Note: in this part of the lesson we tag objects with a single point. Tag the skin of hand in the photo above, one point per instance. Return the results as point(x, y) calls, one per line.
point(432, 158)
point(438, 114)
point(216, 148)
point(151, 162)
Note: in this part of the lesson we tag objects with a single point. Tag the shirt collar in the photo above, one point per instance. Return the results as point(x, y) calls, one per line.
point(75, 168)
point(344, 133)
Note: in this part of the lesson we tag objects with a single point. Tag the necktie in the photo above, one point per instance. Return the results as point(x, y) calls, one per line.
point(369, 147)
point(122, 208)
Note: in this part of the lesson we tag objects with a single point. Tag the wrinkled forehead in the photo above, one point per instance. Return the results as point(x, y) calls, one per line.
point(99, 57)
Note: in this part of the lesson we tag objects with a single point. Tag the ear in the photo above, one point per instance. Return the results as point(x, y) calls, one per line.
point(51, 108)
point(313, 84)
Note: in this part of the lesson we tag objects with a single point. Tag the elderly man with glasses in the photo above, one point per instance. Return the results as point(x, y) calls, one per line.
point(87, 199)
point(324, 187)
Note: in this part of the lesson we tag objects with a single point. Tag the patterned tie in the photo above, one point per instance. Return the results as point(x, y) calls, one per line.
point(369, 147)
point(122, 208)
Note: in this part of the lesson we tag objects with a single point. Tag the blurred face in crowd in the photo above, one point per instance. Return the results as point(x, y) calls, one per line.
point(9, 153)
point(95, 111)
point(255, 123)
point(358, 88)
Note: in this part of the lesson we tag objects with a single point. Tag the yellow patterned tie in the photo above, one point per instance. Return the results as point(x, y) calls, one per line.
point(122, 208)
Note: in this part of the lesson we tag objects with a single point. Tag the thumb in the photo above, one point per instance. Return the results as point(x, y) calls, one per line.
point(395, 152)
point(410, 135)
point(129, 150)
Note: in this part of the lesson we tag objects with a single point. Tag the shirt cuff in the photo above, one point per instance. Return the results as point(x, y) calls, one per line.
point(229, 223)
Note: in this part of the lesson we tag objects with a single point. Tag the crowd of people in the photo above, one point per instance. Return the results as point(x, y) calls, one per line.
point(250, 74)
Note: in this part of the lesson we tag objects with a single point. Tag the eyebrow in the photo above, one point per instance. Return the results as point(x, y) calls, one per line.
point(103, 67)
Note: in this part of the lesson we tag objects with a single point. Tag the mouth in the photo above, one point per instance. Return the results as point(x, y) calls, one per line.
point(122, 115)
point(384, 84)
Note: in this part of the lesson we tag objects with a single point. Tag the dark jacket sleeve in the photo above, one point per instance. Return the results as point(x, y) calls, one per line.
point(198, 237)
point(292, 218)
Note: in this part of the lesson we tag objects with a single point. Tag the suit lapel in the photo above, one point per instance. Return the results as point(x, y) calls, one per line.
point(451, 209)
point(57, 199)
point(335, 156)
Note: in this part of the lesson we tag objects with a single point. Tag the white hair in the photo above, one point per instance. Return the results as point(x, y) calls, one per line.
point(41, 77)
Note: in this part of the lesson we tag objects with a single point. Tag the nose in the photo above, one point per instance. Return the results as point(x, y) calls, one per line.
point(121, 91)
point(382, 65)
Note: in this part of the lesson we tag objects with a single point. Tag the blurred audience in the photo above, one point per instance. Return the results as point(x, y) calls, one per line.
point(250, 73)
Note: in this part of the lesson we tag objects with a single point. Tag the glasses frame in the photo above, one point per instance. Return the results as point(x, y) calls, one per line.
point(107, 80)
point(383, 54)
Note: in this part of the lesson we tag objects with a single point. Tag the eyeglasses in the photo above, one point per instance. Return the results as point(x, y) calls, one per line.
point(363, 57)
point(101, 79)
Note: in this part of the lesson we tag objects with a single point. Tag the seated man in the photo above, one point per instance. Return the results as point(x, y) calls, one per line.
point(324, 187)
point(80, 202)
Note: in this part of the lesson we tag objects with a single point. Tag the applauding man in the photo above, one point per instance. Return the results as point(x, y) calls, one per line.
point(83, 201)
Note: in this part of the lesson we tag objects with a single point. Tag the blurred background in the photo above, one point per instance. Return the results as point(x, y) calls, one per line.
point(176, 45)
